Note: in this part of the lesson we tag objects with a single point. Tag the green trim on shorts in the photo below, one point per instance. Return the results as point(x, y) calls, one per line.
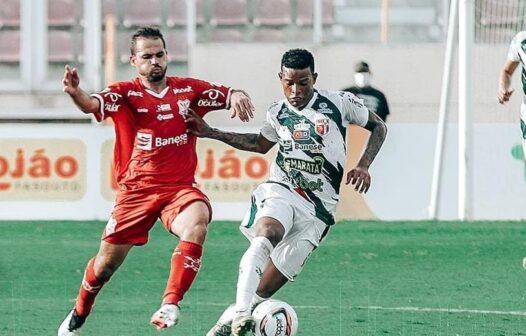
point(523, 129)
point(253, 211)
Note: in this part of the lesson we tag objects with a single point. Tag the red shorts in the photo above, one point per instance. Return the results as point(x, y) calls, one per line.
point(136, 211)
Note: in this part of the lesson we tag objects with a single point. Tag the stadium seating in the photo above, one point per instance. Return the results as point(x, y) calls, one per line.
point(10, 13)
point(305, 10)
point(61, 13)
point(60, 46)
point(142, 12)
point(225, 35)
point(177, 46)
point(272, 13)
point(269, 35)
point(229, 12)
point(177, 13)
point(10, 42)
point(500, 12)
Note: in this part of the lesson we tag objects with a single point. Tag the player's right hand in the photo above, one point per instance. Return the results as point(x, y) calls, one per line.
point(504, 95)
point(71, 80)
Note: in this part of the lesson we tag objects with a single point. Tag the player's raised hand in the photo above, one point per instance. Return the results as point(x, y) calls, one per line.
point(360, 178)
point(71, 80)
point(504, 95)
point(241, 106)
point(196, 125)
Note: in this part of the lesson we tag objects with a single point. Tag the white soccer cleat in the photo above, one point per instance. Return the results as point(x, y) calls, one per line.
point(220, 329)
point(243, 324)
point(71, 324)
point(166, 316)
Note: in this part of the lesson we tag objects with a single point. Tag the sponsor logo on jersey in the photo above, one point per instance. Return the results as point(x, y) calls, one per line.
point(209, 103)
point(183, 90)
point(321, 126)
point(111, 107)
point(311, 167)
point(213, 94)
point(183, 105)
point(286, 145)
point(161, 117)
point(142, 110)
point(114, 97)
point(134, 93)
point(177, 140)
point(301, 131)
point(323, 108)
point(163, 108)
point(110, 226)
point(299, 180)
point(312, 147)
point(146, 141)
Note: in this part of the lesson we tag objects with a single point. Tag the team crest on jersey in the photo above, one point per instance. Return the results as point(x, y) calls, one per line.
point(324, 108)
point(322, 126)
point(301, 131)
point(183, 105)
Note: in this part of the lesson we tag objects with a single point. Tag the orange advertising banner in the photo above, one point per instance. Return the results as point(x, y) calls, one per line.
point(42, 169)
point(224, 174)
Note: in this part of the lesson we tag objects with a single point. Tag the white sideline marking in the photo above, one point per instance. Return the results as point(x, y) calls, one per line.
point(443, 310)
point(409, 309)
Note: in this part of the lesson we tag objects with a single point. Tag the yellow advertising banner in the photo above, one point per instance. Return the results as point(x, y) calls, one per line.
point(224, 174)
point(42, 169)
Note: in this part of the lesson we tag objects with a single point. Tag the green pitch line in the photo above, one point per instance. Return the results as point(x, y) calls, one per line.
point(367, 278)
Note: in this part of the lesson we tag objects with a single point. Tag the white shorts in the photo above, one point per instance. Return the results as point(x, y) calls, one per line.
point(523, 126)
point(303, 230)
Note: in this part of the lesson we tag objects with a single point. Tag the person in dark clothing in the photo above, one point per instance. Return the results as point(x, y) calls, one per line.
point(373, 98)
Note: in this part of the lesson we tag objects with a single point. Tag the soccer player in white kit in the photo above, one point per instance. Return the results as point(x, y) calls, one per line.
point(294, 209)
point(516, 56)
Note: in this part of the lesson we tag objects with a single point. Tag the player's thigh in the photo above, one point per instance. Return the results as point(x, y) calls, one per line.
point(187, 209)
point(133, 215)
point(269, 201)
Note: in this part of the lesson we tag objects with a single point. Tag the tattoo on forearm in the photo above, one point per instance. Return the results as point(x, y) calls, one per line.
point(376, 140)
point(246, 142)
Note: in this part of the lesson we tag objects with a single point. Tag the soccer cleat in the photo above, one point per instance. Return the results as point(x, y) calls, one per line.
point(71, 324)
point(166, 316)
point(243, 324)
point(220, 329)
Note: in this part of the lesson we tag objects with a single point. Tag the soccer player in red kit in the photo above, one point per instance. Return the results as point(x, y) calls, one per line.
point(155, 161)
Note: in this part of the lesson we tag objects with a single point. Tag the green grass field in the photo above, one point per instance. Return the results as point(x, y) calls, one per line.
point(367, 278)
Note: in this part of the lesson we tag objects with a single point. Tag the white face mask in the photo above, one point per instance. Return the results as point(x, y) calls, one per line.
point(362, 79)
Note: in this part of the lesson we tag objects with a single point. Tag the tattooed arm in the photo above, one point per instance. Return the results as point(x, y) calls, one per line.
point(248, 142)
point(359, 176)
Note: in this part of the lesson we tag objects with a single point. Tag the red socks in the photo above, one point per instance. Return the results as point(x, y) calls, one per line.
point(88, 291)
point(186, 261)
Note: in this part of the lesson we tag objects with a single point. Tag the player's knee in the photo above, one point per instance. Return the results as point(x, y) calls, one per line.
point(195, 232)
point(105, 269)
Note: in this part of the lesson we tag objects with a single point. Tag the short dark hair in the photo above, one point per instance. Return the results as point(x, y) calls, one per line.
point(361, 66)
point(150, 32)
point(298, 59)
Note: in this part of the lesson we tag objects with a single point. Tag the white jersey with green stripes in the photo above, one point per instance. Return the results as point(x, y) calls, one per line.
point(312, 145)
point(517, 53)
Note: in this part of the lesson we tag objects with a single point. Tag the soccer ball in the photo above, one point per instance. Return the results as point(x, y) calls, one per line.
point(275, 318)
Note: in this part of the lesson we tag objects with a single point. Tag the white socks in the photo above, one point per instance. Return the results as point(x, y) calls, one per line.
point(250, 269)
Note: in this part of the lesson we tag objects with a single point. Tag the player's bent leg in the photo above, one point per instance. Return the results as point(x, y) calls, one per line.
point(97, 273)
point(271, 281)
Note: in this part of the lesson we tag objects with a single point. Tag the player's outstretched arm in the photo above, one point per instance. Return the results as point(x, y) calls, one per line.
point(506, 73)
point(71, 82)
point(241, 105)
point(359, 176)
point(248, 142)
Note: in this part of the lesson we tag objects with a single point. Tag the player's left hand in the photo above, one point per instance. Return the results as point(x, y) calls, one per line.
point(241, 106)
point(360, 178)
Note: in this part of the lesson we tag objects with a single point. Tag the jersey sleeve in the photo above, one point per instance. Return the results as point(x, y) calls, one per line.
point(353, 109)
point(513, 51)
point(209, 97)
point(111, 101)
point(268, 129)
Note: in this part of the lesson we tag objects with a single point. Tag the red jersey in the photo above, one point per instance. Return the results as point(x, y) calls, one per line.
point(151, 143)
